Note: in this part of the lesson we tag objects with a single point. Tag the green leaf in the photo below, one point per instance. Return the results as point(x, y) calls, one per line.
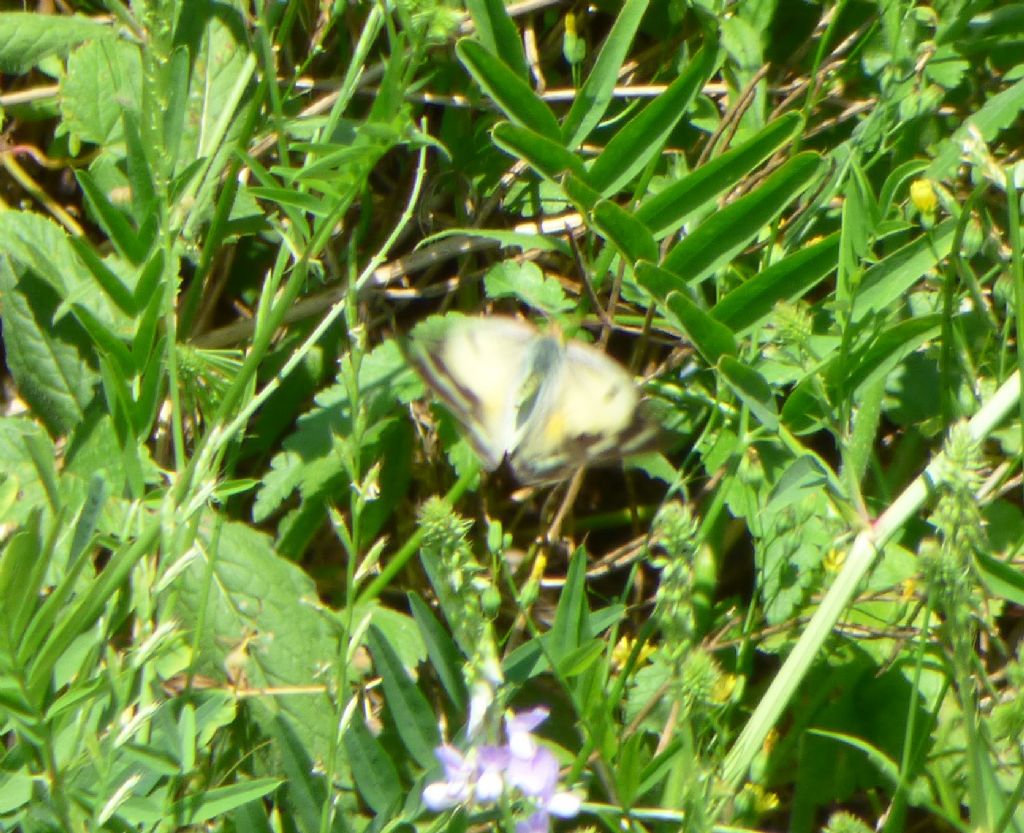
point(644, 136)
point(751, 389)
point(996, 114)
point(412, 715)
point(667, 210)
point(520, 104)
point(256, 595)
point(890, 278)
point(498, 34)
point(374, 772)
point(751, 304)
point(127, 240)
point(548, 158)
point(570, 625)
point(593, 98)
point(49, 360)
point(26, 38)
point(723, 235)
point(208, 803)
point(103, 81)
point(712, 339)
point(526, 281)
point(23, 443)
point(442, 650)
point(1001, 579)
point(630, 237)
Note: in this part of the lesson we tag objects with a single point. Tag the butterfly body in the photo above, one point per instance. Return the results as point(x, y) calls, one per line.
point(546, 405)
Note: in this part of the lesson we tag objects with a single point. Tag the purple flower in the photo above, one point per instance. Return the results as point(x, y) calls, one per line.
point(484, 774)
point(459, 771)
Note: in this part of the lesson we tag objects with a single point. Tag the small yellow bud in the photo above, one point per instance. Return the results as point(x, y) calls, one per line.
point(922, 195)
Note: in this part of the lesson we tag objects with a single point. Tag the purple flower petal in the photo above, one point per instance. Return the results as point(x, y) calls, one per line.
point(536, 776)
point(537, 823)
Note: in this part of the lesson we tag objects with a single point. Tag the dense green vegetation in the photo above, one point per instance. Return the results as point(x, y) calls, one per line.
point(253, 579)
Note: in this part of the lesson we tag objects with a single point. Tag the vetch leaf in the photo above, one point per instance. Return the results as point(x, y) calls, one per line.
point(632, 238)
point(498, 33)
point(644, 136)
point(548, 158)
point(749, 305)
point(520, 104)
point(667, 210)
point(593, 98)
point(712, 339)
point(723, 235)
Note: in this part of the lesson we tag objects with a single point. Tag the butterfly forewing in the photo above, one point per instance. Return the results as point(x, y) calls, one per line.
point(477, 366)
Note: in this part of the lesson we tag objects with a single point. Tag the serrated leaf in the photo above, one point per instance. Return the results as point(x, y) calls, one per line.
point(18, 461)
point(526, 281)
point(103, 80)
point(50, 361)
point(26, 38)
point(264, 609)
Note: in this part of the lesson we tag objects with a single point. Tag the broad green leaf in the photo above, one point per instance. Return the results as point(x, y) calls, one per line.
point(261, 610)
point(548, 158)
point(1002, 579)
point(413, 718)
point(49, 360)
point(751, 389)
point(750, 304)
point(103, 81)
point(667, 210)
point(631, 238)
point(520, 104)
point(591, 102)
point(26, 38)
point(644, 136)
point(723, 235)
